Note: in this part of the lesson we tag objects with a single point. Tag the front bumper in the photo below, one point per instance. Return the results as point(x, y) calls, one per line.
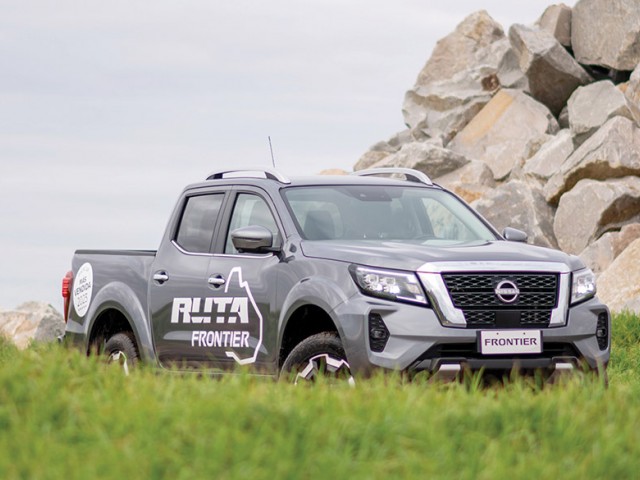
point(417, 341)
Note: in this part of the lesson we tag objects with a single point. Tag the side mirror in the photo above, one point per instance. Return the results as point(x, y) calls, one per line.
point(252, 239)
point(514, 235)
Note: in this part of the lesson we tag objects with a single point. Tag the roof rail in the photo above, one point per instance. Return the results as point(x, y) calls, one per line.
point(410, 174)
point(250, 173)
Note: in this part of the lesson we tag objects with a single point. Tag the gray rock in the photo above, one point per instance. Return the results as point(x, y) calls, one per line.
point(612, 152)
point(601, 253)
point(394, 143)
point(500, 134)
point(455, 52)
point(441, 111)
point(552, 72)
point(520, 205)
point(474, 172)
point(471, 182)
point(31, 321)
point(556, 20)
point(619, 285)
point(383, 149)
point(633, 88)
point(431, 159)
point(466, 68)
point(534, 144)
point(550, 156)
point(370, 158)
point(606, 33)
point(592, 105)
point(563, 117)
point(592, 208)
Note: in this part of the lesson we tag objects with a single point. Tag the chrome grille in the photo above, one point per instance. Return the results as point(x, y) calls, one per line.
point(474, 294)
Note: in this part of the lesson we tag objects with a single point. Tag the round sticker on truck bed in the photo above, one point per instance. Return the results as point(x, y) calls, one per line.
point(82, 289)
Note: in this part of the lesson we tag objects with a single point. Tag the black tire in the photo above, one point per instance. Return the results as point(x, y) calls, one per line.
point(318, 355)
point(122, 348)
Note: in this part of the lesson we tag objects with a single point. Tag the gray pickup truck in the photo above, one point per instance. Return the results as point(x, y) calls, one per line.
point(336, 275)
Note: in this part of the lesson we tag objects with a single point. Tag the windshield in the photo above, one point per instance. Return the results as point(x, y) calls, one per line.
point(391, 213)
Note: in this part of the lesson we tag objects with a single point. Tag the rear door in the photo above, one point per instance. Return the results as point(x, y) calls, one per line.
point(178, 288)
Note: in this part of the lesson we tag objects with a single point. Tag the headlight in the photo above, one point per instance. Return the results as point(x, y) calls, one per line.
point(583, 286)
point(398, 286)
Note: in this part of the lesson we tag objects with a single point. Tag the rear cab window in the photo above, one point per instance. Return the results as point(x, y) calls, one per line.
point(197, 225)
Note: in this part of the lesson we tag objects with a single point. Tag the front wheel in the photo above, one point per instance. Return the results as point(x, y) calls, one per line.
point(121, 349)
point(318, 355)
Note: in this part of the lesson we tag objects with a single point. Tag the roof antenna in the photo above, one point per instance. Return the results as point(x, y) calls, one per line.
point(273, 160)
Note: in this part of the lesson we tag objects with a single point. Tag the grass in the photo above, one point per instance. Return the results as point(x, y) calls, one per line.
point(65, 416)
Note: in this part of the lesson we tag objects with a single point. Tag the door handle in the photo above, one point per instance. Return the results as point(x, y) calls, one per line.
point(160, 277)
point(216, 280)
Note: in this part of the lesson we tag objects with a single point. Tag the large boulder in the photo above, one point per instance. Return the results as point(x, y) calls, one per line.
point(619, 285)
point(31, 321)
point(394, 143)
point(455, 52)
point(466, 68)
point(601, 253)
point(550, 156)
point(633, 88)
point(442, 110)
point(592, 208)
point(606, 33)
point(612, 152)
point(592, 105)
point(500, 134)
point(383, 149)
point(556, 20)
point(370, 158)
point(333, 171)
point(471, 182)
point(552, 73)
point(431, 159)
point(519, 205)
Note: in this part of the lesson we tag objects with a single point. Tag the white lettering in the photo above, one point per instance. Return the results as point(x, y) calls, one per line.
point(228, 309)
point(240, 306)
point(181, 306)
point(220, 338)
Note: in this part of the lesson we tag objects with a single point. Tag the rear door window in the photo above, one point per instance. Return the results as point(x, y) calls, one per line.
point(198, 222)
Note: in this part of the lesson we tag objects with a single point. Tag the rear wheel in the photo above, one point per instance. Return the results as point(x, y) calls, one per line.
point(121, 350)
point(320, 355)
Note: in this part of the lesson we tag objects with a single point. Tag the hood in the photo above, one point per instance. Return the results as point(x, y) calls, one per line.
point(403, 256)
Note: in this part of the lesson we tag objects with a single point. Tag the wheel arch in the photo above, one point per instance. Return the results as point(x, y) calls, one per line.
point(308, 310)
point(305, 321)
point(116, 309)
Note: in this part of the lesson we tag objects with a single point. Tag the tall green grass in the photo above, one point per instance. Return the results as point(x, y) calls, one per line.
point(63, 415)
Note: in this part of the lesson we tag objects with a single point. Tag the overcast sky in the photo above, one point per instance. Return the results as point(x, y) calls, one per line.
point(108, 109)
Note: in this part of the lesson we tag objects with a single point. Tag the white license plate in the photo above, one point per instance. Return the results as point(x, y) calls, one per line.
point(509, 342)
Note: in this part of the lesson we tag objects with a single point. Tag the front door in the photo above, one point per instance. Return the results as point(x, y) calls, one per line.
point(242, 292)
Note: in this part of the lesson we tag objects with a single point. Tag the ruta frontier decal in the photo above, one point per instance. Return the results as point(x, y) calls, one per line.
point(236, 321)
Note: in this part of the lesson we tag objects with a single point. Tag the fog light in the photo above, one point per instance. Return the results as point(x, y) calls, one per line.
point(602, 330)
point(378, 333)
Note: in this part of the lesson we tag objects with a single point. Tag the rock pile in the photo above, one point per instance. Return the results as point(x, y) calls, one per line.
point(539, 129)
point(31, 321)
